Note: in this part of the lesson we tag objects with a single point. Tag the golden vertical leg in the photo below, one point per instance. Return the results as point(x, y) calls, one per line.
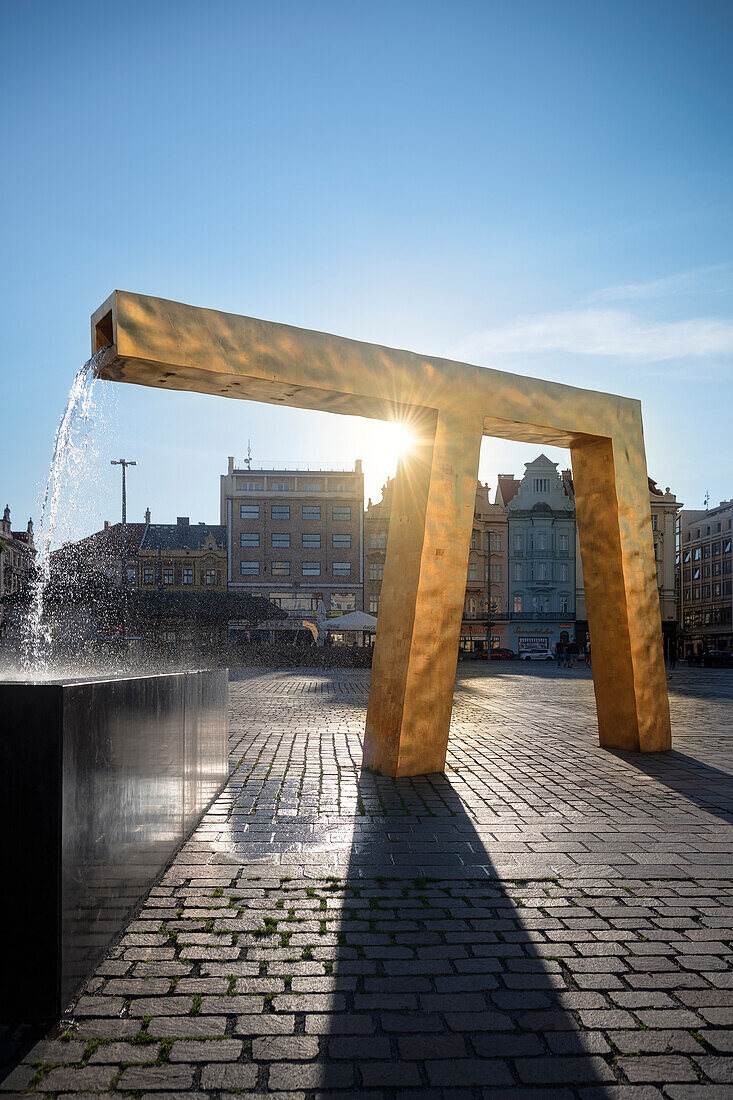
point(622, 599)
point(421, 604)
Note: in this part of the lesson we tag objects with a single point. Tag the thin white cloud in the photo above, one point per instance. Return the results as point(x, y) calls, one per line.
point(714, 279)
point(604, 332)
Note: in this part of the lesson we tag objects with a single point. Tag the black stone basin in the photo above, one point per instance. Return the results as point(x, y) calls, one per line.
point(101, 781)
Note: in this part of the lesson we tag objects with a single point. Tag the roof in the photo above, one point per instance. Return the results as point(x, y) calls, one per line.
point(183, 536)
point(108, 543)
point(507, 488)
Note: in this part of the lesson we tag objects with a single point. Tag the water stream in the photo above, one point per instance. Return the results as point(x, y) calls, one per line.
point(68, 460)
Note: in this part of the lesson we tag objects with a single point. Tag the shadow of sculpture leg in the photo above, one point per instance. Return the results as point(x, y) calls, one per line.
point(439, 983)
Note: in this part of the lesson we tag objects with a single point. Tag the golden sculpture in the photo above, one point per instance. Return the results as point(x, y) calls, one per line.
point(449, 407)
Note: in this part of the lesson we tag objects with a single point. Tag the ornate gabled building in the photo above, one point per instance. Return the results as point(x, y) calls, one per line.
point(541, 558)
point(183, 556)
point(17, 552)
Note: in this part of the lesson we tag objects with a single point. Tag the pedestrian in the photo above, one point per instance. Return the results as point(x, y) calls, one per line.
point(672, 651)
point(572, 654)
point(560, 654)
point(587, 652)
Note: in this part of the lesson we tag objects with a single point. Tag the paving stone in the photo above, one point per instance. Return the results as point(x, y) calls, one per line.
point(151, 1078)
point(229, 1077)
point(665, 1069)
point(299, 1048)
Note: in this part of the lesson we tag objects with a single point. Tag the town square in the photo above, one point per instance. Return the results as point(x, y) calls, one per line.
point(406, 770)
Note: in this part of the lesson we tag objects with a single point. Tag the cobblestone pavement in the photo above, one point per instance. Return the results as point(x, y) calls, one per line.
point(546, 919)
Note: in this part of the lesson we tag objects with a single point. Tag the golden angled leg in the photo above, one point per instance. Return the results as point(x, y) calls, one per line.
point(421, 604)
point(622, 599)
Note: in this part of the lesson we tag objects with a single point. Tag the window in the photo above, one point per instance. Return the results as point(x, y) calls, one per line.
point(312, 541)
point(249, 538)
point(706, 550)
point(542, 485)
point(280, 538)
point(249, 568)
point(564, 572)
point(341, 513)
point(280, 486)
point(280, 569)
point(249, 511)
point(716, 590)
point(339, 487)
point(495, 540)
point(564, 603)
point(210, 576)
point(518, 543)
point(341, 542)
point(311, 569)
point(655, 521)
point(167, 576)
point(343, 602)
point(280, 511)
point(471, 604)
point(542, 542)
point(495, 605)
point(696, 554)
point(542, 571)
point(496, 572)
point(341, 568)
point(517, 603)
point(472, 571)
point(473, 540)
point(250, 486)
point(376, 571)
point(726, 546)
point(311, 511)
point(148, 575)
point(686, 555)
point(716, 549)
point(517, 573)
point(311, 487)
point(188, 576)
point(564, 541)
point(373, 605)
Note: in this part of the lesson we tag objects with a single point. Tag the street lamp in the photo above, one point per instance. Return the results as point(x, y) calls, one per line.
point(124, 463)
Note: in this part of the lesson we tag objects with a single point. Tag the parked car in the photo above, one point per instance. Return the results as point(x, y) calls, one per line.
point(536, 655)
point(502, 655)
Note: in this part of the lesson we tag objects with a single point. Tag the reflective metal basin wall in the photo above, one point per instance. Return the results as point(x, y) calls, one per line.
point(103, 780)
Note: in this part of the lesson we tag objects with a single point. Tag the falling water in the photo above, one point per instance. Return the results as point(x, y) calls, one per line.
point(69, 454)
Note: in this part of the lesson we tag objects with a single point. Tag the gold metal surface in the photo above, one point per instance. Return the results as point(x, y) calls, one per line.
point(449, 407)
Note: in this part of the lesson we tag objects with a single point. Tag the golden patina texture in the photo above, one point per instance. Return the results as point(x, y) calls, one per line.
point(449, 407)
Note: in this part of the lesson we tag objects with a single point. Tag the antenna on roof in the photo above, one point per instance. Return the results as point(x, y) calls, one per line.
point(706, 499)
point(248, 459)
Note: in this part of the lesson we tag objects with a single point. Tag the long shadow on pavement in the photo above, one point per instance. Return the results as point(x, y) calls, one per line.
point(709, 788)
point(441, 987)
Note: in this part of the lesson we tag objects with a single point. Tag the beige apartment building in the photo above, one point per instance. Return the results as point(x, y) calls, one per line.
point(706, 579)
point(485, 605)
point(296, 537)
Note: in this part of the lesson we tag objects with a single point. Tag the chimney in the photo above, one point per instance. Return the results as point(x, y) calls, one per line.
point(147, 516)
point(182, 521)
point(230, 465)
point(106, 525)
point(357, 466)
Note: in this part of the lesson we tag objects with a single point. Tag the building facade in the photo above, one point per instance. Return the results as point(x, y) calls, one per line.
point(541, 558)
point(706, 579)
point(17, 552)
point(182, 556)
point(485, 602)
point(296, 537)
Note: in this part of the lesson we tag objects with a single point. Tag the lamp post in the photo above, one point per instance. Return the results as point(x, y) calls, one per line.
point(124, 463)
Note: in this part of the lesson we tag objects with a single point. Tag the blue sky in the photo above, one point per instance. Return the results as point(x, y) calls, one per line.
point(541, 187)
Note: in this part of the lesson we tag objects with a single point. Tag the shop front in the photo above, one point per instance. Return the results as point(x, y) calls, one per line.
point(521, 637)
